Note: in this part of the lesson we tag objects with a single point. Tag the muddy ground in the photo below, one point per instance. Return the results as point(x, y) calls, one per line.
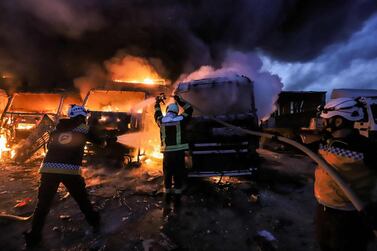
point(215, 214)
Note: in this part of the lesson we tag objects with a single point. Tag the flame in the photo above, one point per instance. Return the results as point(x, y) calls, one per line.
point(103, 118)
point(12, 154)
point(156, 153)
point(130, 69)
point(146, 81)
point(25, 126)
point(110, 108)
point(3, 145)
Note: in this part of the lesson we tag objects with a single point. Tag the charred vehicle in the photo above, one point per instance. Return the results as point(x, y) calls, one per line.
point(114, 112)
point(28, 118)
point(216, 150)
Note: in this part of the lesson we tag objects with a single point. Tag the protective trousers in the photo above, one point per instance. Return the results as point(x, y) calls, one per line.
point(339, 230)
point(174, 170)
point(75, 184)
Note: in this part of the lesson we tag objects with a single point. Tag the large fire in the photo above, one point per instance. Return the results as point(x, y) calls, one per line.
point(5, 151)
point(132, 69)
point(146, 81)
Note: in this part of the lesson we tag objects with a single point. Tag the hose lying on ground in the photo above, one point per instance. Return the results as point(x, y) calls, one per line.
point(351, 195)
point(15, 217)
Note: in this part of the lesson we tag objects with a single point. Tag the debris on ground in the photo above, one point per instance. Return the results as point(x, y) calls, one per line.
point(215, 214)
point(22, 203)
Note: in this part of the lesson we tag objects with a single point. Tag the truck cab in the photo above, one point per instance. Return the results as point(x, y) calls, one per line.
point(216, 150)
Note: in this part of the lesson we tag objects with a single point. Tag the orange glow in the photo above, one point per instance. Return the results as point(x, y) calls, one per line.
point(156, 153)
point(103, 119)
point(26, 102)
point(12, 154)
point(146, 81)
point(114, 101)
point(24, 126)
point(130, 69)
point(3, 145)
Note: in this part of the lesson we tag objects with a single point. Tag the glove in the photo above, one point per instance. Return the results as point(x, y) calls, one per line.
point(177, 98)
point(158, 100)
point(370, 215)
point(111, 139)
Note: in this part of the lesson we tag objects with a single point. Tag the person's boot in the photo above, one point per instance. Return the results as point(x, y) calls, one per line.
point(95, 222)
point(32, 240)
point(177, 202)
point(167, 196)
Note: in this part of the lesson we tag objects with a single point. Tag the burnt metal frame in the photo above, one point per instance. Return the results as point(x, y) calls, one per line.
point(129, 87)
point(7, 113)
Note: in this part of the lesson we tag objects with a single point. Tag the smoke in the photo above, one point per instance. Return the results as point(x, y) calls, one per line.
point(69, 18)
point(347, 64)
point(49, 43)
point(267, 86)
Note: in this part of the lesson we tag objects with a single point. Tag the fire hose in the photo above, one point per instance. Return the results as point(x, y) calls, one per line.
point(340, 181)
point(15, 217)
point(348, 191)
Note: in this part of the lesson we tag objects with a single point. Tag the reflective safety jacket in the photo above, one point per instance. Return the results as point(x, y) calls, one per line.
point(66, 147)
point(355, 160)
point(172, 128)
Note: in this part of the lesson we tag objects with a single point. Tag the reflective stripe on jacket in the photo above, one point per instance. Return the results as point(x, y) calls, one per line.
point(350, 163)
point(66, 148)
point(172, 136)
point(172, 130)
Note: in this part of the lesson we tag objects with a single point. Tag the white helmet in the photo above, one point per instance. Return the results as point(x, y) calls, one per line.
point(173, 107)
point(347, 108)
point(77, 110)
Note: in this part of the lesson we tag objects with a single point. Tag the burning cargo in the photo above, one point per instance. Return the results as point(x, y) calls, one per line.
point(216, 150)
point(29, 117)
point(119, 110)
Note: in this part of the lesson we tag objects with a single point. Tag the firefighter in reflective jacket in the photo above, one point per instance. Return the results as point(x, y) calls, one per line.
point(338, 225)
point(62, 164)
point(173, 142)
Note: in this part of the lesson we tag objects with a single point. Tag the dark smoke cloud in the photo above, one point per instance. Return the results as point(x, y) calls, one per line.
point(347, 64)
point(51, 42)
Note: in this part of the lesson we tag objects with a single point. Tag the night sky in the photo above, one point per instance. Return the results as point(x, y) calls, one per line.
point(310, 44)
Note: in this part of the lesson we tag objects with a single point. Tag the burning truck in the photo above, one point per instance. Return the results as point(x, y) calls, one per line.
point(118, 110)
point(27, 120)
point(216, 150)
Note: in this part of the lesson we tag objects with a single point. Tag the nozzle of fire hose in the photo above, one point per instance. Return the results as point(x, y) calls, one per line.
point(161, 98)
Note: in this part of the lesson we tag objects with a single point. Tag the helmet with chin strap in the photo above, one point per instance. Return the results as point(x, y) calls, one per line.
point(347, 108)
point(173, 107)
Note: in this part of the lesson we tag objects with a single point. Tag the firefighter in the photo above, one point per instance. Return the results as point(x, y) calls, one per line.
point(338, 225)
point(173, 143)
point(62, 164)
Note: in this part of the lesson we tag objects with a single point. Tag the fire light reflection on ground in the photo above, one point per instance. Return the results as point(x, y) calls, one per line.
point(212, 216)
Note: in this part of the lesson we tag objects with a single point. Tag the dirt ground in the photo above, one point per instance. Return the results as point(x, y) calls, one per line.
point(271, 212)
